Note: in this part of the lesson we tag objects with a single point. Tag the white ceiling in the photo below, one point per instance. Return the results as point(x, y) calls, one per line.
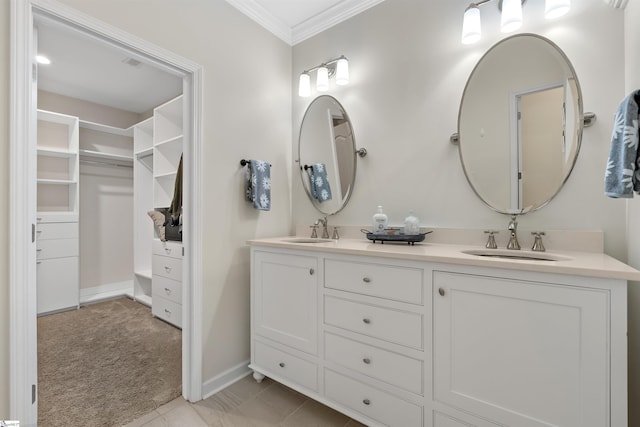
point(90, 69)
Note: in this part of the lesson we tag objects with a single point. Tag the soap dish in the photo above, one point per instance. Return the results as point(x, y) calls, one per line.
point(410, 239)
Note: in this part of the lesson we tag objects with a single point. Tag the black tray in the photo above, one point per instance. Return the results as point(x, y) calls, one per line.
point(410, 239)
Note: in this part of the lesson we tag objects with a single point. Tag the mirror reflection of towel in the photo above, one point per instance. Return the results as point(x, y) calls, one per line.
point(258, 189)
point(319, 183)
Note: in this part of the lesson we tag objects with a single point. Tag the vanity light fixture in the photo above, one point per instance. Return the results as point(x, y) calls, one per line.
point(338, 67)
point(510, 19)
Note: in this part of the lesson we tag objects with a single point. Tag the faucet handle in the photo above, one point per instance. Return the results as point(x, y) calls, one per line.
point(537, 242)
point(335, 236)
point(491, 241)
point(314, 232)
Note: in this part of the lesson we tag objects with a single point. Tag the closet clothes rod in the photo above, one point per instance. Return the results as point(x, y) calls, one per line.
point(106, 164)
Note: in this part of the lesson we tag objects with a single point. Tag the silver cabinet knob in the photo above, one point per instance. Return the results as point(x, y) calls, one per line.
point(168, 291)
point(167, 250)
point(281, 364)
point(441, 292)
point(167, 311)
point(366, 402)
point(366, 320)
point(311, 271)
point(167, 269)
point(367, 361)
point(365, 279)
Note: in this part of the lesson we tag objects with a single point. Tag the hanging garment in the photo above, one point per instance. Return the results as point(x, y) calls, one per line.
point(176, 204)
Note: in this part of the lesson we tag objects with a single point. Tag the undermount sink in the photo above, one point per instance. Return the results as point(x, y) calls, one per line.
point(306, 240)
point(516, 254)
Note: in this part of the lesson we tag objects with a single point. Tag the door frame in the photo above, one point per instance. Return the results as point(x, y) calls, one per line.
point(22, 196)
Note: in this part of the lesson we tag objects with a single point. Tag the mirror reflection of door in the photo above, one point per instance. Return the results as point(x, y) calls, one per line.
point(343, 150)
point(541, 150)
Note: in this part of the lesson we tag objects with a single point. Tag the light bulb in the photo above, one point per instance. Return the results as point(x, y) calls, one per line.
point(41, 59)
point(322, 79)
point(471, 25)
point(511, 18)
point(342, 72)
point(304, 87)
point(556, 8)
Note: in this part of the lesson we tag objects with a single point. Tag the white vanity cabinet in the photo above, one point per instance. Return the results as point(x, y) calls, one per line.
point(395, 342)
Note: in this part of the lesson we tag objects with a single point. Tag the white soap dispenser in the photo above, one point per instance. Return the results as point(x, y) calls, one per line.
point(411, 224)
point(380, 221)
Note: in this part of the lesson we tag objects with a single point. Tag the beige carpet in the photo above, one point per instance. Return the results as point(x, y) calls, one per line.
point(105, 365)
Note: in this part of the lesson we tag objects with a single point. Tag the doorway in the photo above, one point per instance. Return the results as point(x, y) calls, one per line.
point(23, 356)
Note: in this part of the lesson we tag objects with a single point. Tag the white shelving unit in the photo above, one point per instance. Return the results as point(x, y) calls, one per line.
point(167, 149)
point(142, 203)
point(57, 245)
point(58, 168)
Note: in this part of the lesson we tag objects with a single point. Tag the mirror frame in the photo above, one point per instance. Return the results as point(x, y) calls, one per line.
point(303, 174)
point(577, 135)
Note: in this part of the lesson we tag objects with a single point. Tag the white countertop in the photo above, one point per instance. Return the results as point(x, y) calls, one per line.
point(588, 264)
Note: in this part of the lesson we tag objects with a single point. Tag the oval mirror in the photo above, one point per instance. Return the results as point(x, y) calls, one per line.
point(520, 124)
point(327, 155)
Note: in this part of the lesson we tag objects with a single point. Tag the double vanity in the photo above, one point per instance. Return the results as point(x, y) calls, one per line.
point(442, 335)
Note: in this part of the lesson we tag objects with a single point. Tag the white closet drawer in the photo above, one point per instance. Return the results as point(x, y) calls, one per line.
point(166, 310)
point(166, 288)
point(384, 281)
point(391, 325)
point(168, 267)
point(371, 402)
point(57, 284)
point(57, 230)
point(56, 248)
point(286, 365)
point(170, 249)
point(384, 365)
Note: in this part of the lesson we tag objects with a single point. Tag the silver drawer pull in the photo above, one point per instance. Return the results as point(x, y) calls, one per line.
point(281, 364)
point(166, 310)
point(38, 250)
point(38, 262)
point(365, 279)
point(366, 320)
point(311, 271)
point(167, 269)
point(441, 292)
point(366, 401)
point(168, 291)
point(38, 231)
point(367, 361)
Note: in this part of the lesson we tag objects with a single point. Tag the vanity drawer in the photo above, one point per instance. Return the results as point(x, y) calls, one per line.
point(170, 249)
point(168, 267)
point(384, 281)
point(57, 230)
point(166, 288)
point(393, 368)
point(167, 310)
point(286, 365)
point(371, 402)
point(391, 325)
point(56, 248)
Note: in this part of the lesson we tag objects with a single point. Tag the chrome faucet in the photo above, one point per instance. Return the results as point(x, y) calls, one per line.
point(537, 243)
point(325, 224)
point(513, 240)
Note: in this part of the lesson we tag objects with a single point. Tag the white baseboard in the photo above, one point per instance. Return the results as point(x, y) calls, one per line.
point(225, 379)
point(106, 291)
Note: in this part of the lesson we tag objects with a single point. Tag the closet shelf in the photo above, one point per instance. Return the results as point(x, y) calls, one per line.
point(176, 139)
point(144, 273)
point(52, 152)
point(106, 128)
point(165, 175)
point(96, 155)
point(144, 153)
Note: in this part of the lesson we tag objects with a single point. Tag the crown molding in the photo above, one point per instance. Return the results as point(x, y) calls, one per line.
point(309, 28)
point(618, 4)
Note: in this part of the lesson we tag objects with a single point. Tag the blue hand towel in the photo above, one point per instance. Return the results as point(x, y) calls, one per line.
point(622, 177)
point(258, 190)
point(319, 183)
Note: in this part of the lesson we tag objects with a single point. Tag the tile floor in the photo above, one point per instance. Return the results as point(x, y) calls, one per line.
point(247, 403)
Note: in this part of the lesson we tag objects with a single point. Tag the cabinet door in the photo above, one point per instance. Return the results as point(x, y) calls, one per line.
point(285, 299)
point(521, 353)
point(57, 284)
